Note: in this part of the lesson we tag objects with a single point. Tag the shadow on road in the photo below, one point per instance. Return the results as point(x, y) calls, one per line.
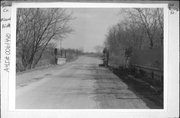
point(150, 97)
point(128, 94)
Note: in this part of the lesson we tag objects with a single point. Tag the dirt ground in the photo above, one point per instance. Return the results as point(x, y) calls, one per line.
point(81, 84)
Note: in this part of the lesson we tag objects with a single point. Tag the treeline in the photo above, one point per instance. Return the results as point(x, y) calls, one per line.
point(36, 28)
point(141, 29)
point(49, 57)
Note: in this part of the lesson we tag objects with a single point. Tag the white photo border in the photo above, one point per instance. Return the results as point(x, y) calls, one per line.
point(169, 85)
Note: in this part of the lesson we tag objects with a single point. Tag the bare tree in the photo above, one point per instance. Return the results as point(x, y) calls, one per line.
point(36, 28)
point(149, 19)
point(140, 28)
point(161, 23)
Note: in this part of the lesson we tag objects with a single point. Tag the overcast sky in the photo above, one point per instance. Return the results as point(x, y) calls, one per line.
point(90, 27)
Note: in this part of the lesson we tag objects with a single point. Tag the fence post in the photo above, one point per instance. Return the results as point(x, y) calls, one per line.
point(65, 53)
point(55, 53)
point(61, 51)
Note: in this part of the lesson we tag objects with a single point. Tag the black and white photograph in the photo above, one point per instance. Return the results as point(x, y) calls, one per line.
point(74, 59)
point(89, 58)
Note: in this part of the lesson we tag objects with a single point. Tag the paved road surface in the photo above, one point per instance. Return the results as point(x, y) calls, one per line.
point(81, 84)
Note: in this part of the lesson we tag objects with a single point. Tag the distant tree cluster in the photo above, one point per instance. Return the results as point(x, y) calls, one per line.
point(98, 49)
point(36, 28)
point(140, 29)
